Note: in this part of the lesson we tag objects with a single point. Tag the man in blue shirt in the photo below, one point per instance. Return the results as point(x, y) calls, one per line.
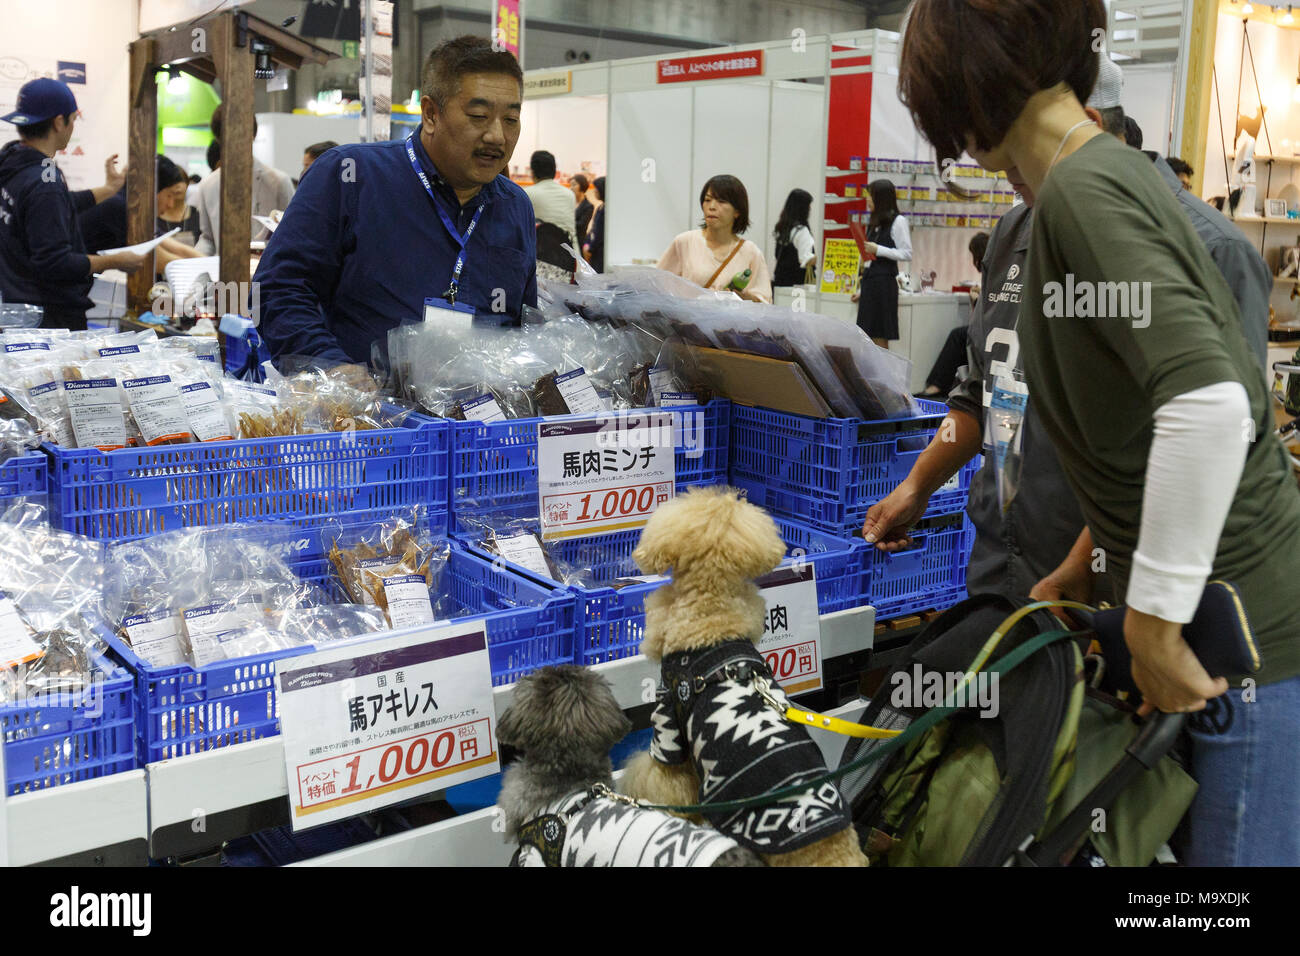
point(376, 229)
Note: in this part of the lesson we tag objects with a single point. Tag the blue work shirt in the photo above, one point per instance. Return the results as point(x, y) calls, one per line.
point(361, 247)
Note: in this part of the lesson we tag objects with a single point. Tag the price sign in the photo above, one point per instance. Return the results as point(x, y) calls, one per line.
point(605, 474)
point(792, 633)
point(379, 722)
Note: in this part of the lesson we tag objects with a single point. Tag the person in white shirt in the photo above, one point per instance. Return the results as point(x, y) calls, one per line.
point(553, 208)
point(889, 242)
point(272, 190)
point(796, 249)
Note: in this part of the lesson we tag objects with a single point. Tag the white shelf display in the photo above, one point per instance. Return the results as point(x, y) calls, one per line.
point(199, 801)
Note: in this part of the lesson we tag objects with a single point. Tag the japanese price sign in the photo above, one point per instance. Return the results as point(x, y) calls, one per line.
point(376, 723)
point(792, 633)
point(605, 474)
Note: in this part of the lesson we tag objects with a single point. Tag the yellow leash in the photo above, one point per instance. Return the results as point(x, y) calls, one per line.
point(848, 728)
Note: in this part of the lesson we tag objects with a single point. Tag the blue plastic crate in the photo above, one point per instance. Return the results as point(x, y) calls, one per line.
point(184, 709)
point(24, 476)
point(528, 625)
point(303, 479)
point(611, 621)
point(828, 472)
point(66, 738)
point(931, 575)
point(494, 465)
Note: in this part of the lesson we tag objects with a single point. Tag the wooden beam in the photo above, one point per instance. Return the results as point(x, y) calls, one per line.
point(235, 70)
point(1200, 88)
point(141, 195)
point(200, 70)
point(287, 42)
point(188, 42)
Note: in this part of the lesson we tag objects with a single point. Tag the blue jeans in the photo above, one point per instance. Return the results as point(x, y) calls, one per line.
point(1247, 810)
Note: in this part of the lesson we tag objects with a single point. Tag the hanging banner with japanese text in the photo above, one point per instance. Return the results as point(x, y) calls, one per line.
point(379, 722)
point(792, 633)
point(605, 474)
point(508, 27)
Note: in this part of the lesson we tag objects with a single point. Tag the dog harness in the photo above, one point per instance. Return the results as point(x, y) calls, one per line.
point(742, 746)
point(598, 827)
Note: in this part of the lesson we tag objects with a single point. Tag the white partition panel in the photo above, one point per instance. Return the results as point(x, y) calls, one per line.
point(797, 154)
point(731, 136)
point(650, 185)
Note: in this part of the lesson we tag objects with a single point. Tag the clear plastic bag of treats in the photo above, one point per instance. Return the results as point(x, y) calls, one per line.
point(396, 565)
point(50, 583)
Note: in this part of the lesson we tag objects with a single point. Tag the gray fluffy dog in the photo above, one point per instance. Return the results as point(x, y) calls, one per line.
point(558, 796)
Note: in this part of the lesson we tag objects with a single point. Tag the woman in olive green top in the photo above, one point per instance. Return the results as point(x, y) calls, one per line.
point(1135, 361)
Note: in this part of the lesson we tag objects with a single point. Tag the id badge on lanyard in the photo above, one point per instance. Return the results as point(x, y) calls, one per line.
point(447, 304)
point(1004, 428)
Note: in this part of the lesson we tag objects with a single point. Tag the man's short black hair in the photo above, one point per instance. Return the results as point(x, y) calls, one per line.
point(316, 150)
point(1181, 167)
point(214, 154)
point(1112, 121)
point(42, 129)
point(543, 165)
point(452, 59)
point(1132, 132)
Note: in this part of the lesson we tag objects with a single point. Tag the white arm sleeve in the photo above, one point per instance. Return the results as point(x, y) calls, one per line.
point(803, 246)
point(901, 233)
point(1187, 496)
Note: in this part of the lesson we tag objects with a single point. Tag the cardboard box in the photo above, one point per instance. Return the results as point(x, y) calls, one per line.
point(756, 380)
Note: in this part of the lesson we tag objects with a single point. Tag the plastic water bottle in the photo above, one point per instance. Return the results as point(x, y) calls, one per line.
point(741, 279)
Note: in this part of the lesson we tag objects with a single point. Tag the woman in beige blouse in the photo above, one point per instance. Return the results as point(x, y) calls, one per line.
point(715, 256)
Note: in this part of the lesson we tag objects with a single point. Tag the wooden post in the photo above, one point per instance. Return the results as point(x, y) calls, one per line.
point(141, 194)
point(1200, 87)
point(235, 71)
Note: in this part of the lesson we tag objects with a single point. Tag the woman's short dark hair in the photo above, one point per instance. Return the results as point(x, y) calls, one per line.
point(452, 59)
point(599, 183)
point(727, 188)
point(214, 154)
point(884, 203)
point(1017, 48)
point(581, 181)
point(168, 174)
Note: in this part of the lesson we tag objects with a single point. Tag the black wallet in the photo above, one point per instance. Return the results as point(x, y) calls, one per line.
point(1219, 634)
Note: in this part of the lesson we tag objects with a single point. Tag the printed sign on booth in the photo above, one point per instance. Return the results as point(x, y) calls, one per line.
point(717, 66)
point(381, 721)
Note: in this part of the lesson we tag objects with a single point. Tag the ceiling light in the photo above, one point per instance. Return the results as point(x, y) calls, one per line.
point(1248, 9)
point(176, 84)
point(1287, 19)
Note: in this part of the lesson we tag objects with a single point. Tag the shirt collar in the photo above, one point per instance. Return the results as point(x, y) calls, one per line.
point(437, 179)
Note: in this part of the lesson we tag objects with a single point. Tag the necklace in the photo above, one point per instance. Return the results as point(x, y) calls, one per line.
point(1065, 139)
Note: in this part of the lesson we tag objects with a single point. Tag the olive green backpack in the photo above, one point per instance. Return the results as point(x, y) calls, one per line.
point(1037, 768)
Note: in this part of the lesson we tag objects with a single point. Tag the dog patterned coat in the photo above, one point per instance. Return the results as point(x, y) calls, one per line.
point(742, 747)
point(605, 832)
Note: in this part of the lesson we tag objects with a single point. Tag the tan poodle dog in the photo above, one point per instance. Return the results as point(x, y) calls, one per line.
point(715, 738)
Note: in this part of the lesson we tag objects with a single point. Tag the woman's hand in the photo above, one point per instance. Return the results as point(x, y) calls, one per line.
point(855, 296)
point(1165, 669)
point(871, 248)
